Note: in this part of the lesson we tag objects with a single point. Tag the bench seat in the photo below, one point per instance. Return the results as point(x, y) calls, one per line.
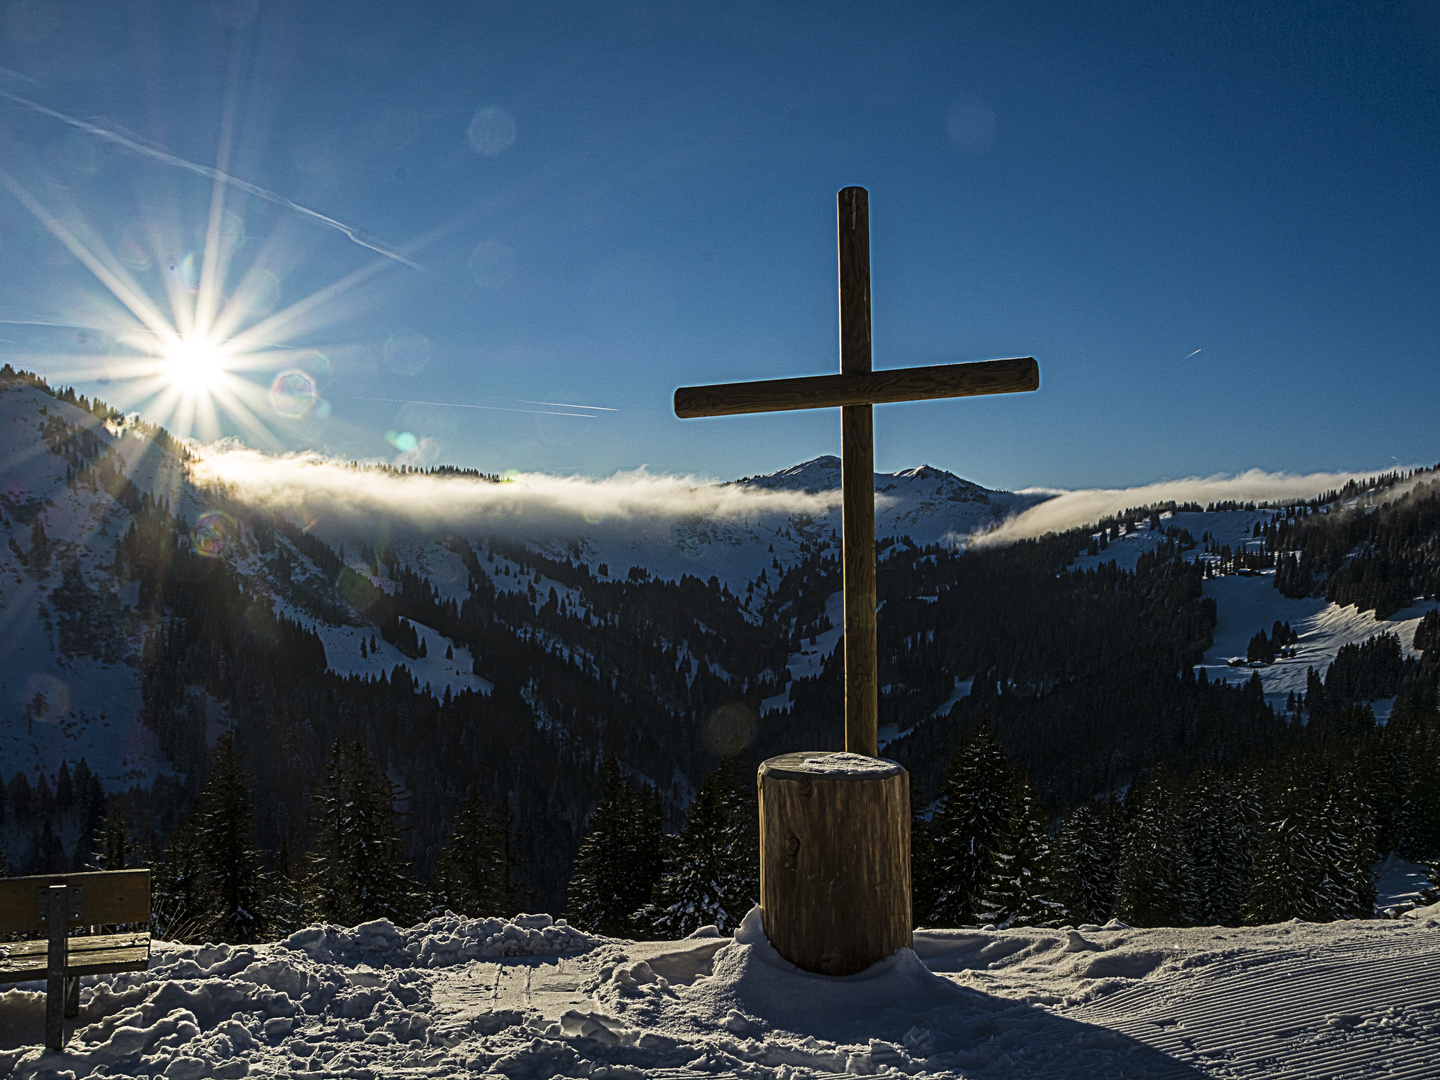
point(98, 954)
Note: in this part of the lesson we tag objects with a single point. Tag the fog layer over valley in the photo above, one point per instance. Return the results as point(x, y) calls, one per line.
point(507, 635)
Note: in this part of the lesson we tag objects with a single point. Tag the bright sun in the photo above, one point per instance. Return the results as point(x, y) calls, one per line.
point(194, 366)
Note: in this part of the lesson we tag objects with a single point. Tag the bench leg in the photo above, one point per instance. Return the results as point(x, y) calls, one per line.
point(57, 918)
point(72, 997)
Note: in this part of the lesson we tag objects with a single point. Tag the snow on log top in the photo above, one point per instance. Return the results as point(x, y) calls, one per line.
point(831, 766)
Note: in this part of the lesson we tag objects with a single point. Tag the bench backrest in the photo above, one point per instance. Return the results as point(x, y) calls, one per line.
point(109, 896)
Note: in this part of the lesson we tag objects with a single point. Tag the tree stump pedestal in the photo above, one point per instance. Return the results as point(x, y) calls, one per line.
point(835, 859)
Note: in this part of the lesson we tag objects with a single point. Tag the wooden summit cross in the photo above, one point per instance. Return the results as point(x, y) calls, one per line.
point(835, 828)
point(855, 390)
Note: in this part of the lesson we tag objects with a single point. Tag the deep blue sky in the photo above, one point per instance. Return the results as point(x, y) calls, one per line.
point(1106, 187)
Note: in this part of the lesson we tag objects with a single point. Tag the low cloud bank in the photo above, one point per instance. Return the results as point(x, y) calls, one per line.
point(319, 487)
point(315, 487)
point(1073, 509)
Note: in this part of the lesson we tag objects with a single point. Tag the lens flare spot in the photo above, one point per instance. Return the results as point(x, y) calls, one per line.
point(188, 271)
point(132, 250)
point(232, 230)
point(402, 440)
point(213, 534)
point(492, 264)
point(730, 728)
point(293, 394)
point(45, 698)
point(491, 131)
point(407, 353)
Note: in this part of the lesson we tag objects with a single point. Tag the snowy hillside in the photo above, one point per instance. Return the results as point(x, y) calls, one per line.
point(69, 690)
point(460, 998)
point(1248, 603)
point(69, 686)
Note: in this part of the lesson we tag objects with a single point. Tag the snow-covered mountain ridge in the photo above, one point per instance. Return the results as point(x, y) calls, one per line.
point(86, 699)
point(510, 634)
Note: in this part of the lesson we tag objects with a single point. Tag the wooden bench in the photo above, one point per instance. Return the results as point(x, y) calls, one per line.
point(52, 904)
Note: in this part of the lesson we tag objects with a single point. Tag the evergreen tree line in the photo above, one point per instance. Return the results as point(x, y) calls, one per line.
point(1267, 648)
point(1294, 835)
point(38, 814)
point(212, 882)
point(632, 880)
point(1377, 557)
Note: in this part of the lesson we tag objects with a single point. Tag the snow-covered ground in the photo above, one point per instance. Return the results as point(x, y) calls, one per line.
point(459, 998)
point(342, 655)
point(806, 663)
point(1247, 604)
point(1400, 883)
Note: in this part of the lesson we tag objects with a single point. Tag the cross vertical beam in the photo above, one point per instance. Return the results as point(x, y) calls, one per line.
point(857, 476)
point(855, 390)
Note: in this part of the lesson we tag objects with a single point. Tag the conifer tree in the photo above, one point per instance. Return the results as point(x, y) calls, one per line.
point(357, 872)
point(711, 874)
point(1221, 828)
point(476, 872)
point(1289, 868)
point(974, 808)
point(619, 861)
point(1155, 884)
point(113, 844)
point(288, 909)
point(924, 881)
point(1419, 812)
point(177, 885)
point(1346, 840)
point(1314, 856)
point(1020, 891)
point(223, 821)
point(1084, 864)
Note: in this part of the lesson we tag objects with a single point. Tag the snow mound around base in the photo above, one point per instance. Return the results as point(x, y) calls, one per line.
point(222, 1010)
point(756, 1012)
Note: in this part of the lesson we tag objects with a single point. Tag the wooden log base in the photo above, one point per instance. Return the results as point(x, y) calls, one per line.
point(835, 859)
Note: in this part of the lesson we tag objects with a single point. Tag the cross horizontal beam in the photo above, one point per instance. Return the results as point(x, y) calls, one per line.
point(871, 388)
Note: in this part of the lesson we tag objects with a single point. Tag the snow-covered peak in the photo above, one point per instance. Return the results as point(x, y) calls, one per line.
point(812, 477)
point(823, 474)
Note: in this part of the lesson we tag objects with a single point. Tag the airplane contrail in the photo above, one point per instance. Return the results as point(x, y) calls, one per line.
point(562, 404)
point(491, 408)
point(1192, 354)
point(210, 173)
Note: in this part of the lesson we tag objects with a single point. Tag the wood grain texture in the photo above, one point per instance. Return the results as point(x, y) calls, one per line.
point(857, 492)
point(1011, 376)
point(852, 231)
point(111, 896)
point(21, 961)
point(834, 864)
